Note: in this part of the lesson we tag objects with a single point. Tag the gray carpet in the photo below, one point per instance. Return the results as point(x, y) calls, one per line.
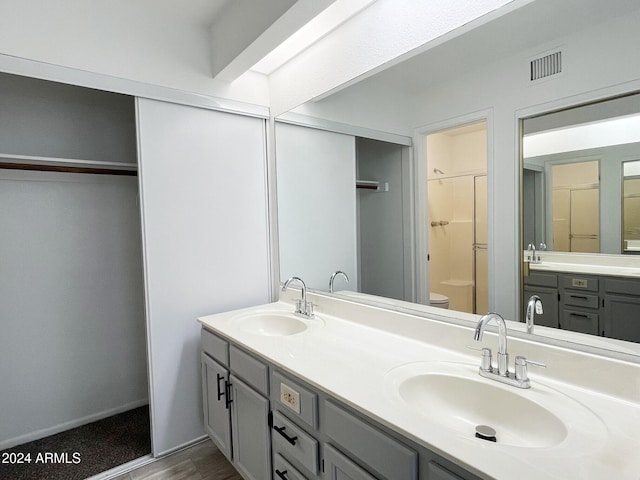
point(83, 451)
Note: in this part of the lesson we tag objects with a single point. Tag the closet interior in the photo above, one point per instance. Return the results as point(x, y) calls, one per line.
point(71, 281)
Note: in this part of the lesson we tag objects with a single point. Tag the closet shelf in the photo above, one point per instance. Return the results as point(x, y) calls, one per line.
point(31, 162)
point(372, 185)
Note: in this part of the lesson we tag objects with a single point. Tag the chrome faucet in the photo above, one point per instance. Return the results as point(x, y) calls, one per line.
point(333, 277)
point(533, 258)
point(503, 356)
point(534, 306)
point(303, 307)
point(518, 379)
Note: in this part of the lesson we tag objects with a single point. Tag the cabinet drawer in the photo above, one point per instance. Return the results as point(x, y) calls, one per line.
point(339, 467)
point(248, 368)
point(622, 286)
point(283, 470)
point(293, 443)
point(579, 299)
point(302, 404)
point(541, 279)
point(438, 472)
point(215, 347)
point(582, 322)
point(580, 282)
point(381, 452)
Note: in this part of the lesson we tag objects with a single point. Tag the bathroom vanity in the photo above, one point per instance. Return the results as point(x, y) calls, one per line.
point(363, 392)
point(588, 293)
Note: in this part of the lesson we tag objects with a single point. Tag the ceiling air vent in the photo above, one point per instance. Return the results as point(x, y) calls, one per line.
point(546, 66)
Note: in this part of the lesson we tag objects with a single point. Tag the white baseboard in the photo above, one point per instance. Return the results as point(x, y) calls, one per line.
point(78, 422)
point(183, 446)
point(142, 461)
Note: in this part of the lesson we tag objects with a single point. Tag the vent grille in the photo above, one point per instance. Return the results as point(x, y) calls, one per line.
point(546, 66)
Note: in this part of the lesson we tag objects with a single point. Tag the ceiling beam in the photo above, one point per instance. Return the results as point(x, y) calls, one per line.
point(247, 30)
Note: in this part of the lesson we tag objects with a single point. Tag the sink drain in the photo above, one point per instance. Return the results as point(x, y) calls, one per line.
point(485, 432)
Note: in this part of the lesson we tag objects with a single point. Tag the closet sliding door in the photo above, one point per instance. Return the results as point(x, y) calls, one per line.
point(204, 213)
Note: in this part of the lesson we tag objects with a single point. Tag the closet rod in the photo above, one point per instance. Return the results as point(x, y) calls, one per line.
point(66, 169)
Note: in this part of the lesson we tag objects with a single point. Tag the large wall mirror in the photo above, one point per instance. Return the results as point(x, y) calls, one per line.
point(361, 191)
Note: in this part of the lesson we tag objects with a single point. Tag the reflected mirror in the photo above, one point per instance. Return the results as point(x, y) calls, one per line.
point(580, 211)
point(631, 207)
point(356, 178)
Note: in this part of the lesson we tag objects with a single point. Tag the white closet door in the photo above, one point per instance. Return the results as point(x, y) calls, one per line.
point(204, 213)
point(316, 204)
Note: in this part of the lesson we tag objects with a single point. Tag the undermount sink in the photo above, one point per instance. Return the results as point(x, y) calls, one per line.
point(454, 397)
point(274, 324)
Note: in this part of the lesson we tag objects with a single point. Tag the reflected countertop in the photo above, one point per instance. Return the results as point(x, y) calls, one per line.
point(587, 263)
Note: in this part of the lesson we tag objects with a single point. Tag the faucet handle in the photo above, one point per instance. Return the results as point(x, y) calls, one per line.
point(485, 359)
point(521, 367)
point(309, 309)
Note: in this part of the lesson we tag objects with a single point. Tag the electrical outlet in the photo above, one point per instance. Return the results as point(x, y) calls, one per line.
point(290, 397)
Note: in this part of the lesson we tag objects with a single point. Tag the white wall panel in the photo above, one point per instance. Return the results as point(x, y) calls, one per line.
point(204, 211)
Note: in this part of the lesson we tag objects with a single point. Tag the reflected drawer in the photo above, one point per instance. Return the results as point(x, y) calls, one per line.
point(578, 299)
point(541, 279)
point(580, 282)
point(293, 443)
point(215, 347)
point(582, 322)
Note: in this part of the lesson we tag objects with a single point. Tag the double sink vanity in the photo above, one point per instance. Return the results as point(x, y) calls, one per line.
point(360, 392)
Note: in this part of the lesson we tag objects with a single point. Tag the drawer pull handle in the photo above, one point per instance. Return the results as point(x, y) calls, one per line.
point(220, 392)
point(282, 475)
point(280, 430)
point(227, 393)
point(579, 315)
point(579, 297)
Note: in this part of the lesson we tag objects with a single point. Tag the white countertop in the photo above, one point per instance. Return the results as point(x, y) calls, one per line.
point(351, 359)
point(588, 263)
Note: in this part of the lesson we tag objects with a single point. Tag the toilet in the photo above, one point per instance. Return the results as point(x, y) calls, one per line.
point(437, 300)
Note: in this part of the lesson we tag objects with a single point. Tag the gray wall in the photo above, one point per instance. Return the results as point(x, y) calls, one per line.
point(42, 118)
point(71, 301)
point(382, 226)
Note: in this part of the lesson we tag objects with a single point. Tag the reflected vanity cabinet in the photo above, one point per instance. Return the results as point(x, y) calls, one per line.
point(594, 304)
point(275, 426)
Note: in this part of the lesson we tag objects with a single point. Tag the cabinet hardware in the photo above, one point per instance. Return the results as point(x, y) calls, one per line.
point(281, 431)
point(579, 297)
point(227, 393)
point(220, 393)
point(282, 475)
point(579, 315)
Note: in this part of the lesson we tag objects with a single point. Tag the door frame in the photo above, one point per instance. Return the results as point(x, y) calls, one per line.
point(421, 191)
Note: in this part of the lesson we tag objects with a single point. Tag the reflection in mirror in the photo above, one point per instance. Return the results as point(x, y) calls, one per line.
point(631, 207)
point(459, 81)
point(343, 205)
point(572, 172)
point(456, 161)
point(580, 192)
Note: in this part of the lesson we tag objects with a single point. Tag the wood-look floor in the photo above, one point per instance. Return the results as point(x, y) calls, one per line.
point(200, 462)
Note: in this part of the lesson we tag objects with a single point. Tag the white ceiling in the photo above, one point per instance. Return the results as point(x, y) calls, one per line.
point(526, 27)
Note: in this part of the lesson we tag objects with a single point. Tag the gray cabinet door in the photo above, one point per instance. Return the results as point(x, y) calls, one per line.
point(622, 317)
point(549, 297)
point(251, 433)
point(217, 421)
point(339, 467)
